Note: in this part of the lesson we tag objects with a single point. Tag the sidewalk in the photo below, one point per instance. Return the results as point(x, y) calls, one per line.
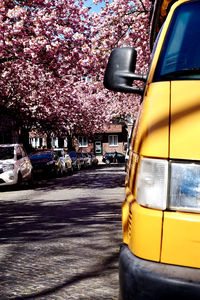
point(99, 157)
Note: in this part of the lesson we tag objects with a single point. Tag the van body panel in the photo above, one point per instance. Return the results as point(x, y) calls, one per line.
point(130, 192)
point(185, 120)
point(125, 222)
point(152, 137)
point(181, 239)
point(145, 232)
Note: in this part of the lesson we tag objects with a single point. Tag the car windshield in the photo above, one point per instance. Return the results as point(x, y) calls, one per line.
point(6, 153)
point(120, 154)
point(59, 153)
point(180, 59)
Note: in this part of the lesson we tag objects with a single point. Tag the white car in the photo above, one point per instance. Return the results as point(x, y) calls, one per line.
point(15, 166)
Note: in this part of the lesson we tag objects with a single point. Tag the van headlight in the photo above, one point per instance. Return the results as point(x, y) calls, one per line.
point(185, 187)
point(168, 185)
point(151, 185)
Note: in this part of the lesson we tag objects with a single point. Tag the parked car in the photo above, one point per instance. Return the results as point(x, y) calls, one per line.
point(112, 156)
point(83, 160)
point(94, 159)
point(65, 161)
point(15, 166)
point(45, 162)
point(87, 160)
point(75, 160)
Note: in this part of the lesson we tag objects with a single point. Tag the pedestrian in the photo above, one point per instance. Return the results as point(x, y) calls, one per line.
point(115, 157)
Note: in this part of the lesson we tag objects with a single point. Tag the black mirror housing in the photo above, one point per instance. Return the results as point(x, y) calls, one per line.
point(119, 74)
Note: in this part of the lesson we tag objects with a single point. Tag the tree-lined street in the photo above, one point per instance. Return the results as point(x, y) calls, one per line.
point(61, 239)
point(53, 56)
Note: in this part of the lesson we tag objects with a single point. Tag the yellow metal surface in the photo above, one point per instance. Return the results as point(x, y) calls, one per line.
point(181, 239)
point(125, 219)
point(185, 120)
point(163, 131)
point(153, 130)
point(132, 172)
point(145, 236)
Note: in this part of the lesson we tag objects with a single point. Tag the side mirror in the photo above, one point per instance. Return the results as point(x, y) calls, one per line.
point(119, 74)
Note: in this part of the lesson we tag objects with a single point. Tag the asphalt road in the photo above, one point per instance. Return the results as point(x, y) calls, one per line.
point(60, 239)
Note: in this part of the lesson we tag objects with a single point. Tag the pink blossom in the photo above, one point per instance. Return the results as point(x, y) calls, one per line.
point(55, 54)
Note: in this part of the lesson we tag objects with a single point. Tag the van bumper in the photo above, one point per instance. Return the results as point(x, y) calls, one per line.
point(142, 279)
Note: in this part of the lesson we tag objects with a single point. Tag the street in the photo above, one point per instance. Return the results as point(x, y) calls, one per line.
point(61, 238)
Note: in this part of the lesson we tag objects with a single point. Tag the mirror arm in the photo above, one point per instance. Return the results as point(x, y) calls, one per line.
point(132, 89)
point(132, 75)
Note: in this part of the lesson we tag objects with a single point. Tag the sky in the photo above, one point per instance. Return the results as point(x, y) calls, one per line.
point(94, 8)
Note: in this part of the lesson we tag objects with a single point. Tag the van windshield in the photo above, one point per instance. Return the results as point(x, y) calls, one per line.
point(180, 54)
point(6, 153)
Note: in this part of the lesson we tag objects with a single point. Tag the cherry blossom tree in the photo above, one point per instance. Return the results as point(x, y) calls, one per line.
point(121, 23)
point(53, 55)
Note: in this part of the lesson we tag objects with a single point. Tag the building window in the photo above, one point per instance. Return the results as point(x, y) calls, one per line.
point(82, 141)
point(54, 142)
point(65, 143)
point(113, 140)
point(36, 142)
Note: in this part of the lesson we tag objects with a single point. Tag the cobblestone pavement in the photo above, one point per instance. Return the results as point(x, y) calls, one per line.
point(61, 239)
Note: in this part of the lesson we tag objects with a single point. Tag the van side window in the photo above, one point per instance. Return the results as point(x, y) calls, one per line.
point(180, 59)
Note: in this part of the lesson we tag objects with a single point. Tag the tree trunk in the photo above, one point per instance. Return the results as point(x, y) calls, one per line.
point(24, 139)
point(60, 142)
point(48, 141)
point(70, 144)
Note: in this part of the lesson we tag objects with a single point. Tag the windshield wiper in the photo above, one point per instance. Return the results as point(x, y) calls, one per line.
point(183, 72)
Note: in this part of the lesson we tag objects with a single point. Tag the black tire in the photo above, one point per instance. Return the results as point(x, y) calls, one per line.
point(61, 172)
point(107, 161)
point(71, 170)
point(31, 180)
point(56, 172)
point(19, 180)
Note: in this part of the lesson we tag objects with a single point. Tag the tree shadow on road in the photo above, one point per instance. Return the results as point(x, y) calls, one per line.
point(95, 272)
point(101, 177)
point(84, 228)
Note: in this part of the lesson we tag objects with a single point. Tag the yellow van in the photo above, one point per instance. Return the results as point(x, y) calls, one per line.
point(160, 254)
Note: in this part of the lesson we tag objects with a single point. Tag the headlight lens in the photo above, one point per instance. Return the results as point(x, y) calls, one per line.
point(8, 167)
point(185, 187)
point(152, 183)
